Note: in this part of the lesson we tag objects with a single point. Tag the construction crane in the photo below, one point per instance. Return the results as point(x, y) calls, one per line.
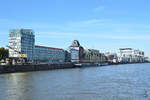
point(22, 57)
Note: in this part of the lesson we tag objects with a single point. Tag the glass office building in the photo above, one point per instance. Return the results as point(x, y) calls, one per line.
point(21, 41)
point(49, 54)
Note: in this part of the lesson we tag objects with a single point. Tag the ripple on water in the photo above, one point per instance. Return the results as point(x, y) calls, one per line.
point(122, 82)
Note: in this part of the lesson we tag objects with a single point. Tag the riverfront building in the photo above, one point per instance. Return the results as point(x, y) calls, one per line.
point(22, 48)
point(111, 57)
point(129, 55)
point(76, 51)
point(94, 56)
point(80, 55)
point(146, 59)
point(21, 43)
point(67, 56)
point(49, 54)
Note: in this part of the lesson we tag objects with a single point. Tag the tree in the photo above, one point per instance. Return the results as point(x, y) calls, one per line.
point(3, 53)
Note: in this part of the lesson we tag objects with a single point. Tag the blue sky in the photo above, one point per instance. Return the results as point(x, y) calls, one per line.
point(100, 24)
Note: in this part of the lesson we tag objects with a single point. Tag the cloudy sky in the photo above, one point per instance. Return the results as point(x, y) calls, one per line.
point(100, 24)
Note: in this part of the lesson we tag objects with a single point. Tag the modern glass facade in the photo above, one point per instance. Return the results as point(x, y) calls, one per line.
point(49, 54)
point(21, 41)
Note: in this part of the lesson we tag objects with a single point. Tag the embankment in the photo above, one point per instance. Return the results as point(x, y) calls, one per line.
point(28, 68)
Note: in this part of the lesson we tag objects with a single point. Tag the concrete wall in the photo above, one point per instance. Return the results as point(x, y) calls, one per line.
point(27, 68)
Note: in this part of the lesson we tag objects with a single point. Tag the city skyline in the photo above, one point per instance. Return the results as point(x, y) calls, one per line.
point(106, 25)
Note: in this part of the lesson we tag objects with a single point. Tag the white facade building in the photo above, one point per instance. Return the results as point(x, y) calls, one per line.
point(129, 55)
point(147, 59)
point(74, 54)
point(21, 41)
point(49, 54)
point(76, 51)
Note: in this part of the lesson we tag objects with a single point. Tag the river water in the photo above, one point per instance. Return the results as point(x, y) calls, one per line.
point(117, 82)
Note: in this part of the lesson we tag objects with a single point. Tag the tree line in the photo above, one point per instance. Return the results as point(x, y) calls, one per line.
point(3, 53)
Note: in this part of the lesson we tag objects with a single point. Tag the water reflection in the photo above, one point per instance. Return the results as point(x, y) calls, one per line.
point(17, 87)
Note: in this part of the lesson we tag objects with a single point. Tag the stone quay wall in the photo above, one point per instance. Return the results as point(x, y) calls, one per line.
point(28, 68)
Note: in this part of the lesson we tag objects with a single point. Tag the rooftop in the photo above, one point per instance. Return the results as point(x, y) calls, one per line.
point(125, 49)
point(26, 31)
point(37, 46)
point(75, 43)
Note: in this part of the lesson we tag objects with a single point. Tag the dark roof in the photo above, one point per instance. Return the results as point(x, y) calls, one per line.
point(37, 46)
point(75, 43)
point(125, 48)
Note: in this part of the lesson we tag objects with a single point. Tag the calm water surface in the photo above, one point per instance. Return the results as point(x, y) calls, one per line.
point(121, 82)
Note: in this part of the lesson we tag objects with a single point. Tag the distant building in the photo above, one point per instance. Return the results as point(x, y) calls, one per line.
point(92, 55)
point(80, 55)
point(103, 58)
point(147, 59)
point(21, 41)
point(111, 57)
point(76, 51)
point(129, 55)
point(67, 56)
point(49, 54)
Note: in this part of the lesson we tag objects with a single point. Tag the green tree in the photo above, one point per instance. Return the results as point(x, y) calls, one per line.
point(3, 53)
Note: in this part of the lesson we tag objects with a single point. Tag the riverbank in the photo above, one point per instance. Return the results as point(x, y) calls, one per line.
point(123, 82)
point(28, 68)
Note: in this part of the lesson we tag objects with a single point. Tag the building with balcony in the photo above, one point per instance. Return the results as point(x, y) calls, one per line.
point(94, 56)
point(21, 42)
point(129, 55)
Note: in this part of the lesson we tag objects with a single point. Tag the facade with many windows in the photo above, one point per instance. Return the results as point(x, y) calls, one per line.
point(76, 52)
point(94, 56)
point(49, 54)
point(111, 57)
point(21, 42)
point(81, 55)
point(129, 55)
